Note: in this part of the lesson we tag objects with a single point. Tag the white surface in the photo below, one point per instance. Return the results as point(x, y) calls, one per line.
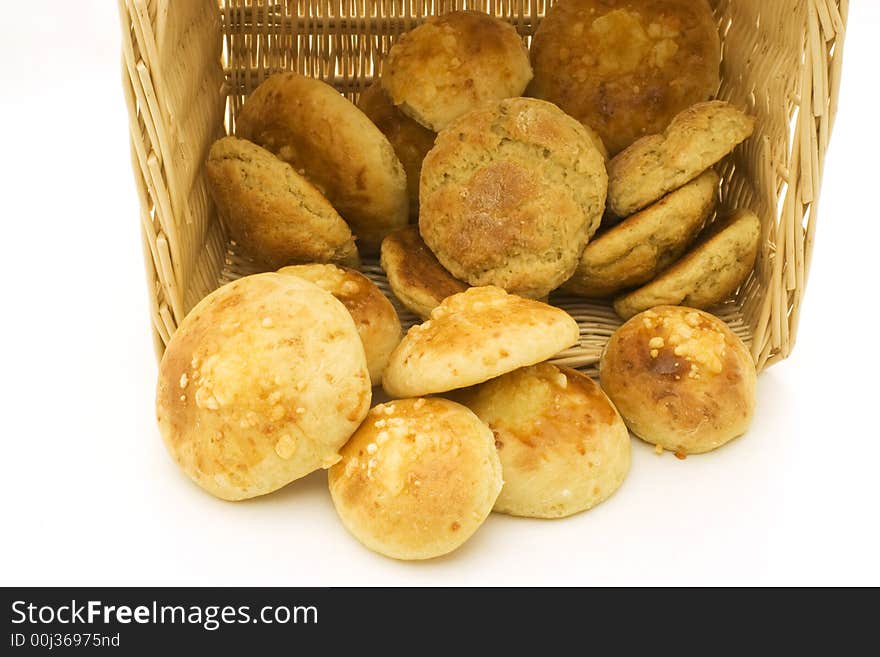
point(90, 497)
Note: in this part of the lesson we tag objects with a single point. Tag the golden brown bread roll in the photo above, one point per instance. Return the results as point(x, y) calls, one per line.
point(474, 336)
point(452, 64)
point(274, 214)
point(655, 165)
point(626, 67)
point(563, 446)
point(510, 194)
point(680, 378)
point(263, 382)
point(417, 479)
point(310, 125)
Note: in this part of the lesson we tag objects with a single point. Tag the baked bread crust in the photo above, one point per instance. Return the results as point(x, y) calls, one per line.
point(563, 447)
point(708, 274)
point(417, 479)
point(510, 195)
point(452, 64)
point(274, 214)
point(415, 276)
point(474, 336)
point(626, 67)
point(680, 378)
point(262, 383)
point(697, 139)
point(310, 125)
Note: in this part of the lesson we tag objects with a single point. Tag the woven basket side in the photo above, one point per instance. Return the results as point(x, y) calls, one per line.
point(175, 90)
point(781, 61)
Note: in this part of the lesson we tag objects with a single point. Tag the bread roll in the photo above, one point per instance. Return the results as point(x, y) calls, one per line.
point(263, 382)
point(274, 214)
point(510, 195)
point(680, 378)
point(697, 139)
point(417, 479)
point(563, 447)
point(626, 67)
point(474, 336)
point(411, 141)
point(314, 128)
point(454, 63)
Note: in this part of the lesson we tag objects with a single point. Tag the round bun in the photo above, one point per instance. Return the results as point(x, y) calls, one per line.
point(374, 316)
point(411, 141)
point(708, 274)
point(655, 165)
point(310, 125)
point(263, 382)
point(562, 445)
point(415, 276)
point(626, 67)
point(634, 251)
point(680, 378)
point(454, 63)
point(475, 336)
point(274, 214)
point(510, 195)
point(417, 479)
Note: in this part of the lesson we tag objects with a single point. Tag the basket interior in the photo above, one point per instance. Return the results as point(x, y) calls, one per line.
point(343, 42)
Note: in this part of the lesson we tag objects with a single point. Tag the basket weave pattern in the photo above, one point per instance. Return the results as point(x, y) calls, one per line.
point(188, 66)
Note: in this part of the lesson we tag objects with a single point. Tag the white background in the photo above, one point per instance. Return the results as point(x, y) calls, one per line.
point(89, 495)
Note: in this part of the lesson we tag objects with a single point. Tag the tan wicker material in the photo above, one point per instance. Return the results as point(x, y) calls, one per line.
point(187, 67)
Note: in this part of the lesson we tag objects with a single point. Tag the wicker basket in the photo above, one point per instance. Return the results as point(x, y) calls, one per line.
point(189, 65)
